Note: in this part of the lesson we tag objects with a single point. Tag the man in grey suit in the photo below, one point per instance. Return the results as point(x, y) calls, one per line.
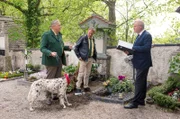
point(141, 62)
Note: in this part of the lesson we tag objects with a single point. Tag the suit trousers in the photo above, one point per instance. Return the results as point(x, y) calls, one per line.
point(53, 72)
point(84, 72)
point(140, 86)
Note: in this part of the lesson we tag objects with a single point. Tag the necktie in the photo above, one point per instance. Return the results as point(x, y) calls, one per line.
point(90, 47)
point(137, 38)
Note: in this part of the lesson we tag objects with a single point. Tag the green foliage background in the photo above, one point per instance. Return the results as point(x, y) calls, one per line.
point(34, 16)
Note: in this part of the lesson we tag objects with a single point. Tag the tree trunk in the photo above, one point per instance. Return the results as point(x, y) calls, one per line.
point(32, 24)
point(111, 5)
point(112, 18)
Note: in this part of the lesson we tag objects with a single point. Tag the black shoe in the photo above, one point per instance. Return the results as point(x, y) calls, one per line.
point(78, 92)
point(87, 89)
point(55, 97)
point(141, 104)
point(130, 106)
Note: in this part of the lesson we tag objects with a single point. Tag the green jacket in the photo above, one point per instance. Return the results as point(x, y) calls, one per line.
point(51, 43)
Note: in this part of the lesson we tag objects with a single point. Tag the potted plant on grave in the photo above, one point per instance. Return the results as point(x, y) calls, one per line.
point(119, 85)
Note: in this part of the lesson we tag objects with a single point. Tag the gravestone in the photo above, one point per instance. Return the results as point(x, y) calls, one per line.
point(101, 36)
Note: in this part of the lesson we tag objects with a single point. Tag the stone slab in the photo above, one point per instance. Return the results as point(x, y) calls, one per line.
point(114, 98)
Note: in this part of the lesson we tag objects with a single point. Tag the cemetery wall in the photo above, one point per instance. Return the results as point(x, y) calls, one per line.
point(118, 66)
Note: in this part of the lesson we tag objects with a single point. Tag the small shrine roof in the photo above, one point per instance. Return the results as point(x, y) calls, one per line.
point(97, 20)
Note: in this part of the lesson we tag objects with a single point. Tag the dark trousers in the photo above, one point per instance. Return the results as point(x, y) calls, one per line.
point(140, 86)
point(53, 72)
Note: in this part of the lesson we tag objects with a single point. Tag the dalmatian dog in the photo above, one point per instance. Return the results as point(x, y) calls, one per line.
point(56, 85)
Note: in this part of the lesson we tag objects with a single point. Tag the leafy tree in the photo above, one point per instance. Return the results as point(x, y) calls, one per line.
point(172, 34)
point(71, 13)
point(32, 11)
point(33, 15)
point(128, 11)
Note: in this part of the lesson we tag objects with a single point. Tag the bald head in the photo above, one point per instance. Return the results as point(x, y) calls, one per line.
point(138, 26)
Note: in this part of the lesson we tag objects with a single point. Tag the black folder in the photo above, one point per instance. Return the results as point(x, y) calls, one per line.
point(125, 46)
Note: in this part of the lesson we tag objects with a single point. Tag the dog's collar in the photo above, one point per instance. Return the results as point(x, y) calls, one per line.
point(67, 78)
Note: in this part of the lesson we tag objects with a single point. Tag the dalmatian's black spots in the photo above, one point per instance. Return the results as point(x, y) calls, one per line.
point(37, 84)
point(37, 90)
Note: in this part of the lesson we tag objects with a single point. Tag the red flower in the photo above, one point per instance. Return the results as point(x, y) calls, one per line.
point(121, 78)
point(170, 93)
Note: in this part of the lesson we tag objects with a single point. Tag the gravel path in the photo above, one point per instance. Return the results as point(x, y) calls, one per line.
point(13, 105)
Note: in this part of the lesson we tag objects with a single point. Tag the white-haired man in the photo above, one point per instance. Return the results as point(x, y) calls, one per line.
point(53, 55)
point(141, 62)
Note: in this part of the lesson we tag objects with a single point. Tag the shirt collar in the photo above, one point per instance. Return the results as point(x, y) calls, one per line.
point(141, 32)
point(54, 32)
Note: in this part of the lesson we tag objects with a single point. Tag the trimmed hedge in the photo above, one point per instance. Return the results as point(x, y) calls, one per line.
point(159, 93)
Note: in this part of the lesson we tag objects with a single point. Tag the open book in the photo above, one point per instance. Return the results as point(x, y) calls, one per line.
point(125, 46)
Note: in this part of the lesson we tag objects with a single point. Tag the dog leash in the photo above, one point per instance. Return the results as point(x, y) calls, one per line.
point(57, 58)
point(66, 75)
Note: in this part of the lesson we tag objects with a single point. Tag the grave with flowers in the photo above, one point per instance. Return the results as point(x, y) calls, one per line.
point(115, 90)
point(11, 75)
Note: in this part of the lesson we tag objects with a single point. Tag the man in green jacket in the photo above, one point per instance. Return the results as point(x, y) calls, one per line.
point(53, 55)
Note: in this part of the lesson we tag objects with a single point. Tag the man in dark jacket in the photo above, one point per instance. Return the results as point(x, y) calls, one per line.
point(52, 48)
point(141, 62)
point(85, 50)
